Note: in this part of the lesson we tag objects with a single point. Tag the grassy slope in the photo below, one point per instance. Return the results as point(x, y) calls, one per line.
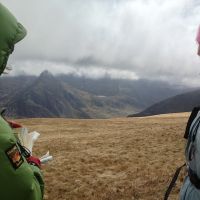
point(129, 159)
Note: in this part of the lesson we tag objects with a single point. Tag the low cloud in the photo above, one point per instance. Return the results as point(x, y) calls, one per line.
point(93, 72)
point(140, 38)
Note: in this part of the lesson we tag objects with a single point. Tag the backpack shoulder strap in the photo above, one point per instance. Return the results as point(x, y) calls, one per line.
point(173, 181)
point(190, 120)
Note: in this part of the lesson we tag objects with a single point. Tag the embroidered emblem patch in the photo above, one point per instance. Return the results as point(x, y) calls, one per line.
point(15, 156)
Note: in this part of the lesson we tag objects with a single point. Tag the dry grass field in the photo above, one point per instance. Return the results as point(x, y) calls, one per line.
point(114, 159)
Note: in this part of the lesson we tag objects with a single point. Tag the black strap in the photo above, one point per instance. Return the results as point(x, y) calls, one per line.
point(3, 111)
point(24, 151)
point(194, 132)
point(173, 181)
point(190, 120)
point(194, 179)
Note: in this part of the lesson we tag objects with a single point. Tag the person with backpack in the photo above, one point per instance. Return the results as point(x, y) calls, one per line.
point(190, 189)
point(20, 173)
point(191, 186)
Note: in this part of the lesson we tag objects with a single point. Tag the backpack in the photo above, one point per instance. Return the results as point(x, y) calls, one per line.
point(191, 154)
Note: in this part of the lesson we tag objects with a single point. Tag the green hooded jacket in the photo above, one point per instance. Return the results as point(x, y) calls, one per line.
point(18, 179)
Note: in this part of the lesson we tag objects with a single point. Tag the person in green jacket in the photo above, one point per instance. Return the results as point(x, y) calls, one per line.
point(20, 174)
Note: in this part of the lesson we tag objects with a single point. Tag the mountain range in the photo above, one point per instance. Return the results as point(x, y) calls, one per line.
point(79, 97)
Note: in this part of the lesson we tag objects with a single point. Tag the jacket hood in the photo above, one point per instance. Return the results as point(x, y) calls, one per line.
point(11, 32)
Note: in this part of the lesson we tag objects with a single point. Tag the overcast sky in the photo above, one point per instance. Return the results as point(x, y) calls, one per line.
point(121, 38)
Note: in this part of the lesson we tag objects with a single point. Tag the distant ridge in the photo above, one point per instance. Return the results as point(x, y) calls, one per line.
point(79, 97)
point(179, 103)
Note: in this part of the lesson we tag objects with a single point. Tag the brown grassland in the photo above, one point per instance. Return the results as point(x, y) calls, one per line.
point(112, 159)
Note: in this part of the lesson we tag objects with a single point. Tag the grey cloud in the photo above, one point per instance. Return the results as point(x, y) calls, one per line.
point(149, 38)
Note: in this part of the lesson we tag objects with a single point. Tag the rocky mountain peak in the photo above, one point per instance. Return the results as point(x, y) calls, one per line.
point(46, 74)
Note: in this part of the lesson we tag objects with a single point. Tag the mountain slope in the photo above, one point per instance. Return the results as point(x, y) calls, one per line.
point(180, 103)
point(144, 93)
point(10, 86)
point(46, 97)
